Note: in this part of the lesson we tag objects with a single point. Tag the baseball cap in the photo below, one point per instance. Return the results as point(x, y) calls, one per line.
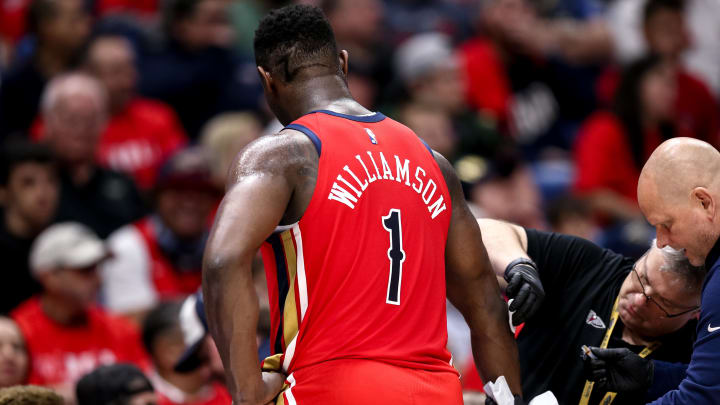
point(66, 245)
point(110, 383)
point(422, 54)
point(194, 329)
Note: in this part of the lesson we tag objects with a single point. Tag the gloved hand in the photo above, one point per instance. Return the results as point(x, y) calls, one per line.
point(619, 370)
point(525, 288)
point(518, 400)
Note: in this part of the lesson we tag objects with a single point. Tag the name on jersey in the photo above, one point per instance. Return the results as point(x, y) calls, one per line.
point(356, 177)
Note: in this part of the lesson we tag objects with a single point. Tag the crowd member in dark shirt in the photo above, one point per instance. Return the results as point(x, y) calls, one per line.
point(29, 194)
point(74, 111)
point(196, 73)
point(657, 299)
point(60, 28)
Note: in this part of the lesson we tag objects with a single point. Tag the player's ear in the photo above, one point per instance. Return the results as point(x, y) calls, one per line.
point(343, 60)
point(266, 79)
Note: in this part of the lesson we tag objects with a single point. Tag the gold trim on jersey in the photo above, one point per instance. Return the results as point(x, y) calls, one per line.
point(290, 322)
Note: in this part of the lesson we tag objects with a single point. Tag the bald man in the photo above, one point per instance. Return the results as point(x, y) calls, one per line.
point(74, 108)
point(679, 194)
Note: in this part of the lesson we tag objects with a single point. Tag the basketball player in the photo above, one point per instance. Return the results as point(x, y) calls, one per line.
point(363, 230)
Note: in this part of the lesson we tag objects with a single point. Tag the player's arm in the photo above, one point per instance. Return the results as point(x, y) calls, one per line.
point(517, 274)
point(473, 289)
point(259, 196)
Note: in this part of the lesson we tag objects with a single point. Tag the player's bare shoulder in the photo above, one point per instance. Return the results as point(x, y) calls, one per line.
point(451, 179)
point(288, 154)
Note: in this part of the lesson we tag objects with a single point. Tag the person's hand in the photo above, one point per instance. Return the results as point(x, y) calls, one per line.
point(272, 384)
point(524, 288)
point(619, 370)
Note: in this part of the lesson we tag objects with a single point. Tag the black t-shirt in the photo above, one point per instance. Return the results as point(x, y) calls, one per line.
point(16, 283)
point(581, 281)
point(20, 95)
point(107, 202)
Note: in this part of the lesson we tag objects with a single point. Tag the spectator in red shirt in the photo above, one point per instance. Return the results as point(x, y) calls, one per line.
point(612, 146)
point(160, 256)
point(67, 336)
point(13, 354)
point(164, 340)
point(141, 133)
point(695, 109)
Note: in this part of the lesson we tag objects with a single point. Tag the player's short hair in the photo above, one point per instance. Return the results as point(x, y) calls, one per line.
point(16, 152)
point(29, 395)
point(653, 6)
point(295, 37)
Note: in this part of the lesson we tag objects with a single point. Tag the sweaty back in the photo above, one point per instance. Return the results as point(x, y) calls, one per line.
point(362, 274)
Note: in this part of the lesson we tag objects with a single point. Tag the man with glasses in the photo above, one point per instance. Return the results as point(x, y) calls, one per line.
point(594, 297)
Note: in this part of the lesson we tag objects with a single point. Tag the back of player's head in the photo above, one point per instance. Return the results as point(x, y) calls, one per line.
point(294, 38)
point(653, 6)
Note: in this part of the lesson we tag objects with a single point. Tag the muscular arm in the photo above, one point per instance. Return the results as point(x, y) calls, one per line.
point(473, 289)
point(265, 186)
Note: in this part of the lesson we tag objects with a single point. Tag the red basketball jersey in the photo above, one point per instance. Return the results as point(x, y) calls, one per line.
point(362, 274)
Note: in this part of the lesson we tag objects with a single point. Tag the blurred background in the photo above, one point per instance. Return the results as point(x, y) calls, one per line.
point(121, 117)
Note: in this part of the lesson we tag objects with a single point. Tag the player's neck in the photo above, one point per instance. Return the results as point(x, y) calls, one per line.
point(324, 93)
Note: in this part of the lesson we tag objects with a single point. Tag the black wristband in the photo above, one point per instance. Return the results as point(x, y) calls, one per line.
point(519, 260)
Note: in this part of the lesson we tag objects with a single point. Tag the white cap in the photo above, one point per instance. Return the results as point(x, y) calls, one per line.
point(67, 245)
point(423, 53)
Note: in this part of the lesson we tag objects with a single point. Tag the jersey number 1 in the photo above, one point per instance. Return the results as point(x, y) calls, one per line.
point(392, 223)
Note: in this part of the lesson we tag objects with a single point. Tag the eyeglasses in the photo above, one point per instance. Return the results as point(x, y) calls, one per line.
point(651, 299)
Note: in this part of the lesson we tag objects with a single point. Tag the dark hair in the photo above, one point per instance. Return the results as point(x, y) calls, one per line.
point(176, 11)
point(653, 6)
point(114, 384)
point(18, 151)
point(164, 318)
point(627, 105)
point(293, 38)
point(39, 12)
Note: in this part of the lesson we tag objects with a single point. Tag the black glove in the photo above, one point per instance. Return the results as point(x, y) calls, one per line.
point(619, 370)
point(518, 400)
point(525, 288)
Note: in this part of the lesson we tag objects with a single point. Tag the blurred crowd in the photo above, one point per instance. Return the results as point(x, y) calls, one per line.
point(119, 120)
